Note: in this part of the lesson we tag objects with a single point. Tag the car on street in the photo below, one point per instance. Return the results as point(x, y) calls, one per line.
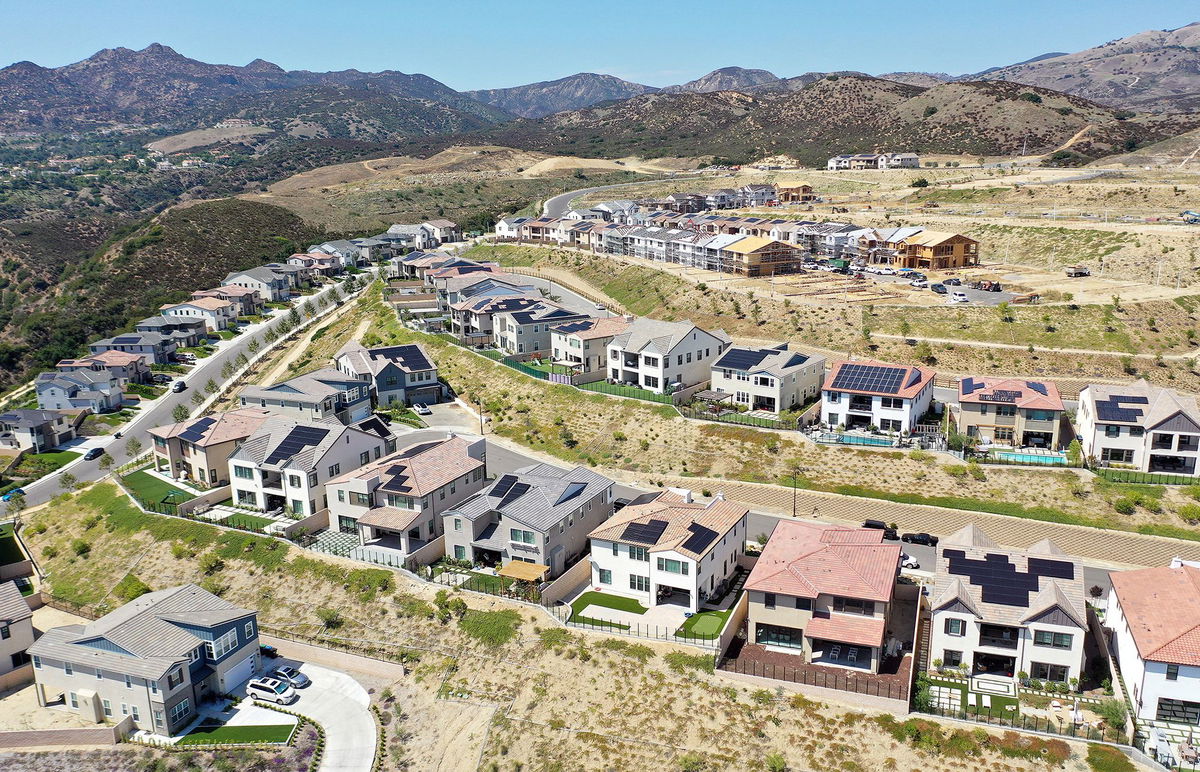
point(907, 561)
point(93, 454)
point(290, 675)
point(421, 408)
point(959, 297)
point(939, 288)
point(920, 538)
point(160, 378)
point(888, 531)
point(13, 494)
point(952, 282)
point(271, 690)
point(918, 283)
point(885, 271)
point(178, 386)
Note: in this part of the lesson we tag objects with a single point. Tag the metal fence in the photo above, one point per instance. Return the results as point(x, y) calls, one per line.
point(1170, 757)
point(500, 586)
point(566, 615)
point(827, 679)
point(1014, 720)
point(619, 390)
point(1144, 478)
point(733, 417)
point(1017, 458)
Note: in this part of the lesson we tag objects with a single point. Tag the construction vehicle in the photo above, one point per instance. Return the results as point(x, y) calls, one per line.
point(1190, 217)
point(1075, 271)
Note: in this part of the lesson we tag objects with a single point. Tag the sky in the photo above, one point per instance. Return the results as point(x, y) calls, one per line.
point(471, 44)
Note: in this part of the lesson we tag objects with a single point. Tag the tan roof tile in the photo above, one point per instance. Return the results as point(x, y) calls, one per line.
point(807, 559)
point(1162, 607)
point(718, 515)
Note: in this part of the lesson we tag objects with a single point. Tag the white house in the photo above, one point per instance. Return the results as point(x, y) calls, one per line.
point(268, 285)
point(1140, 426)
point(864, 393)
point(510, 227)
point(526, 330)
point(583, 344)
point(664, 548)
point(217, 314)
point(772, 379)
point(16, 628)
point(1154, 614)
point(664, 356)
point(398, 374)
point(1001, 612)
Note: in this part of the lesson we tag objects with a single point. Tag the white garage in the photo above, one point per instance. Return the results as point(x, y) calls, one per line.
point(239, 673)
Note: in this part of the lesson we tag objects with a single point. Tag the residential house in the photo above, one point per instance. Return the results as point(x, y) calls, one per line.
point(539, 514)
point(397, 502)
point(721, 198)
point(755, 195)
point(96, 390)
point(922, 249)
point(320, 394)
point(267, 284)
point(197, 450)
point(621, 211)
point(458, 288)
point(1154, 615)
point(246, 301)
point(155, 659)
point(298, 277)
point(583, 344)
point(154, 347)
point(510, 227)
point(472, 320)
point(1002, 612)
point(411, 236)
point(349, 253)
point(444, 231)
point(664, 548)
point(864, 393)
point(1140, 426)
point(664, 356)
point(36, 431)
point(217, 314)
point(527, 330)
point(797, 194)
point(760, 256)
point(185, 331)
point(899, 161)
point(773, 379)
point(16, 628)
point(286, 463)
point(1010, 411)
point(824, 592)
point(398, 374)
point(126, 368)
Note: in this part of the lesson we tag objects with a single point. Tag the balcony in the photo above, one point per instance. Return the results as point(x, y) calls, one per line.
point(999, 637)
point(860, 405)
point(631, 361)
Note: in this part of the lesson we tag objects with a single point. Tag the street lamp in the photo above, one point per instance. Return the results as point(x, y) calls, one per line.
point(796, 469)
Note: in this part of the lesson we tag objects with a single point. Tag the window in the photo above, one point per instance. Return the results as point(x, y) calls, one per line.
point(297, 507)
point(639, 553)
point(248, 629)
point(1112, 431)
point(616, 547)
point(37, 662)
point(99, 674)
point(1117, 455)
point(335, 470)
point(458, 523)
point(890, 424)
point(605, 576)
point(67, 669)
point(672, 566)
point(1008, 410)
point(74, 701)
point(769, 599)
point(174, 678)
point(523, 537)
point(895, 403)
point(460, 552)
point(1002, 434)
point(1054, 640)
point(5, 633)
point(244, 472)
point(153, 687)
point(1172, 672)
point(133, 711)
point(854, 606)
point(360, 499)
point(158, 718)
point(1137, 431)
point(222, 646)
point(180, 710)
point(195, 654)
point(124, 709)
point(832, 396)
point(777, 635)
point(1045, 672)
point(341, 496)
point(294, 480)
point(639, 583)
point(951, 658)
point(107, 708)
point(400, 502)
point(956, 627)
point(804, 604)
point(128, 682)
point(364, 458)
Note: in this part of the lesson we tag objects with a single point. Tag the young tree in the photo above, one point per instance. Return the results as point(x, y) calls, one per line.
point(67, 481)
point(227, 370)
point(106, 462)
point(241, 360)
point(293, 318)
point(309, 310)
point(211, 387)
point(197, 398)
point(180, 413)
point(133, 447)
point(253, 346)
point(15, 506)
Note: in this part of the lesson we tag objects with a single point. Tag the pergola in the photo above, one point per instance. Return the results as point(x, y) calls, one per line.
point(525, 572)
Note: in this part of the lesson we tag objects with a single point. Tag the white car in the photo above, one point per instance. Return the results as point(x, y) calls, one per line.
point(421, 409)
point(919, 283)
point(271, 690)
point(959, 297)
point(907, 561)
point(885, 271)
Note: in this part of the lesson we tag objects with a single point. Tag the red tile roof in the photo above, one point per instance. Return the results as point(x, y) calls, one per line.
point(1023, 393)
point(1162, 607)
point(915, 378)
point(845, 628)
point(806, 559)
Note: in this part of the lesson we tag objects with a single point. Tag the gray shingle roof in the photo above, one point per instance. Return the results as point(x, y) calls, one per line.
point(313, 387)
point(552, 493)
point(659, 337)
point(13, 607)
point(262, 444)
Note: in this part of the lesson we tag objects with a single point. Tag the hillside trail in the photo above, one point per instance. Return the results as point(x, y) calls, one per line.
point(1077, 136)
point(280, 368)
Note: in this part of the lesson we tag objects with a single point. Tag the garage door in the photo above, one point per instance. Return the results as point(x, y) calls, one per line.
point(238, 674)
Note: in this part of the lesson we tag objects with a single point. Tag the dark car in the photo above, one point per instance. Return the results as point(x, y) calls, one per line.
point(939, 288)
point(93, 454)
point(920, 538)
point(160, 378)
point(178, 386)
point(888, 531)
point(952, 282)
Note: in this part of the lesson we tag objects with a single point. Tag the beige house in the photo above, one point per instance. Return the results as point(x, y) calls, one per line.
point(583, 344)
point(16, 628)
point(824, 593)
point(197, 450)
point(1010, 411)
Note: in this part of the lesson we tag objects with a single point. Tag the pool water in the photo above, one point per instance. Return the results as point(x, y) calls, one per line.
point(854, 439)
point(1032, 458)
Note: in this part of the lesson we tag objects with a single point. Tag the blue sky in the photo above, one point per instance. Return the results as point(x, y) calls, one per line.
point(492, 43)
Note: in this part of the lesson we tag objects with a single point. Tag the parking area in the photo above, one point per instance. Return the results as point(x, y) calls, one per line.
point(974, 296)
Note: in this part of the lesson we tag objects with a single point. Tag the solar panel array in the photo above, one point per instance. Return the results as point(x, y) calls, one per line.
point(1111, 409)
point(571, 491)
point(518, 490)
point(397, 480)
point(195, 432)
point(1040, 388)
point(742, 359)
point(1001, 395)
point(970, 385)
point(700, 539)
point(573, 326)
point(875, 378)
point(503, 485)
point(127, 339)
point(1000, 581)
point(644, 533)
point(297, 439)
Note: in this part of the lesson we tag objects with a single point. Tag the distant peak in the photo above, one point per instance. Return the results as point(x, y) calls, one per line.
point(262, 65)
point(159, 49)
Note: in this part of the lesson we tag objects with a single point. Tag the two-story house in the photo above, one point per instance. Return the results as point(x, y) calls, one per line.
point(287, 462)
point(126, 368)
point(1001, 612)
point(1140, 426)
point(35, 430)
point(472, 320)
point(539, 514)
point(772, 379)
point(865, 393)
point(186, 331)
point(399, 375)
point(155, 348)
point(443, 231)
point(96, 390)
point(16, 628)
point(267, 284)
point(320, 394)
point(663, 356)
point(198, 449)
point(527, 330)
point(583, 344)
point(217, 314)
point(397, 502)
point(155, 659)
point(664, 548)
point(824, 592)
point(245, 300)
point(1154, 615)
point(1010, 411)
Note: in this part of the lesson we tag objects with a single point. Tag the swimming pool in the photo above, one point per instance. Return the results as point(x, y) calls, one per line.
point(1045, 459)
point(853, 439)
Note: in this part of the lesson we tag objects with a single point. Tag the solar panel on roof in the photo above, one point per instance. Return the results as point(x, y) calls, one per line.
point(195, 432)
point(127, 339)
point(503, 485)
point(970, 385)
point(398, 483)
point(1040, 388)
point(297, 439)
point(1111, 410)
point(644, 533)
point(741, 359)
point(999, 580)
point(874, 378)
point(571, 491)
point(515, 492)
point(700, 539)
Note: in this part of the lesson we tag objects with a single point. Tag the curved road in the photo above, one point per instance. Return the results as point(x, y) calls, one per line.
point(554, 207)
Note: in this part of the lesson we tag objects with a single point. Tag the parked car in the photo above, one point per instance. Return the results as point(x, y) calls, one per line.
point(885, 271)
point(907, 561)
point(939, 288)
point(888, 532)
point(959, 297)
point(421, 408)
point(160, 378)
point(93, 454)
point(918, 275)
point(952, 282)
point(920, 538)
point(290, 675)
point(178, 386)
point(13, 494)
point(271, 690)
point(268, 651)
point(918, 283)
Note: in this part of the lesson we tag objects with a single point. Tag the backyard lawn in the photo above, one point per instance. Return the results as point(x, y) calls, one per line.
point(222, 735)
point(592, 598)
point(41, 464)
point(10, 551)
point(549, 367)
point(999, 702)
point(149, 488)
point(247, 521)
point(706, 625)
point(621, 390)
